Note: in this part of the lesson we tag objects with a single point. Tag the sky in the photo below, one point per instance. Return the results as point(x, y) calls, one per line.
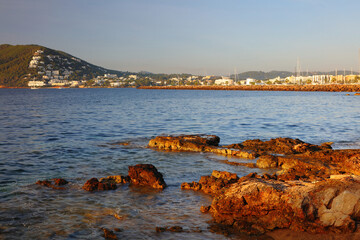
point(191, 36)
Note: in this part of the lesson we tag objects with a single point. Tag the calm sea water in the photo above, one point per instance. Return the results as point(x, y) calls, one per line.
point(49, 133)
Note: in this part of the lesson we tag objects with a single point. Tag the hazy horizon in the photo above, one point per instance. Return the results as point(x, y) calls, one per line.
point(197, 37)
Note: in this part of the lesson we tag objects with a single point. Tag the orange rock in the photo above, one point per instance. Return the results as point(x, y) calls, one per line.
point(257, 205)
point(54, 183)
point(212, 184)
point(146, 175)
point(94, 185)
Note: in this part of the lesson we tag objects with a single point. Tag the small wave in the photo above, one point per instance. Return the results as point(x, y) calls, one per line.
point(52, 139)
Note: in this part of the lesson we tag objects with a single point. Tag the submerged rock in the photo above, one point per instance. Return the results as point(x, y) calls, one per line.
point(146, 175)
point(169, 229)
point(94, 185)
point(255, 205)
point(108, 234)
point(54, 183)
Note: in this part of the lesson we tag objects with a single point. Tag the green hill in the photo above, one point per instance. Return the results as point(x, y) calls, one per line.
point(14, 64)
point(15, 70)
point(260, 75)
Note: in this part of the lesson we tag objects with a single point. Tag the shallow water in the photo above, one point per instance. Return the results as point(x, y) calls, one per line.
point(49, 133)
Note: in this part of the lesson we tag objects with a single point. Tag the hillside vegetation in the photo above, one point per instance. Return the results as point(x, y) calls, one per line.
point(14, 64)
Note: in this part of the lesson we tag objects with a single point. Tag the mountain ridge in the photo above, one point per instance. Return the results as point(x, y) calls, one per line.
point(16, 69)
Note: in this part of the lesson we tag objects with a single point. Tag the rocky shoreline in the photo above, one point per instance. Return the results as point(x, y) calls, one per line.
point(305, 88)
point(316, 190)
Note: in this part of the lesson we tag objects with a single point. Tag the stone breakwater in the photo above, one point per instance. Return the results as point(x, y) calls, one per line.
point(317, 189)
point(306, 88)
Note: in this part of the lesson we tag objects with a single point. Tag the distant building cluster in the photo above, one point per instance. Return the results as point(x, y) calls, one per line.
point(53, 70)
point(56, 70)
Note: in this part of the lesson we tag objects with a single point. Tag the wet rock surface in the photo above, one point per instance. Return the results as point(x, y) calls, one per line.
point(212, 184)
point(116, 179)
point(146, 175)
point(298, 160)
point(109, 234)
point(197, 143)
point(169, 229)
point(93, 184)
point(316, 190)
point(55, 183)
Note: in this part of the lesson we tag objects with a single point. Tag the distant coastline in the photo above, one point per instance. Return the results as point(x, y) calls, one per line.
point(300, 88)
point(294, 88)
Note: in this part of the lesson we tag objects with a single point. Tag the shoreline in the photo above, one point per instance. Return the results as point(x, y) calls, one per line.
point(291, 88)
point(298, 88)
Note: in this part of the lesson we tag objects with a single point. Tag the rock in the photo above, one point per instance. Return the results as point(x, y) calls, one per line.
point(60, 181)
point(54, 183)
point(246, 164)
point(175, 229)
point(256, 205)
point(319, 164)
point(225, 175)
point(205, 209)
point(184, 142)
point(94, 185)
point(191, 186)
point(196, 143)
point(212, 184)
point(117, 179)
point(281, 146)
point(108, 234)
point(267, 161)
point(160, 229)
point(146, 175)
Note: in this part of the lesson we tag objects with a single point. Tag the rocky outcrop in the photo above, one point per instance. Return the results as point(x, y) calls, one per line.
point(313, 165)
point(141, 174)
point(255, 205)
point(279, 146)
point(55, 183)
point(196, 143)
point(249, 149)
point(93, 184)
point(146, 175)
point(212, 184)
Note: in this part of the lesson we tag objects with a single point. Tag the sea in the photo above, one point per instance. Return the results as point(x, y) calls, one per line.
point(78, 134)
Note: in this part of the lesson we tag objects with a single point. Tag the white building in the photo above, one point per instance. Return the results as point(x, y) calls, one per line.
point(224, 81)
point(57, 82)
point(108, 75)
point(36, 83)
point(74, 83)
point(249, 81)
point(132, 77)
point(33, 63)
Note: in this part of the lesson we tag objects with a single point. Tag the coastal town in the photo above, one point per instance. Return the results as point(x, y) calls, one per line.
point(59, 71)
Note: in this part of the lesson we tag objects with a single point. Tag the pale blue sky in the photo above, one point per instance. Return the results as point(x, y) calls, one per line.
point(192, 36)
